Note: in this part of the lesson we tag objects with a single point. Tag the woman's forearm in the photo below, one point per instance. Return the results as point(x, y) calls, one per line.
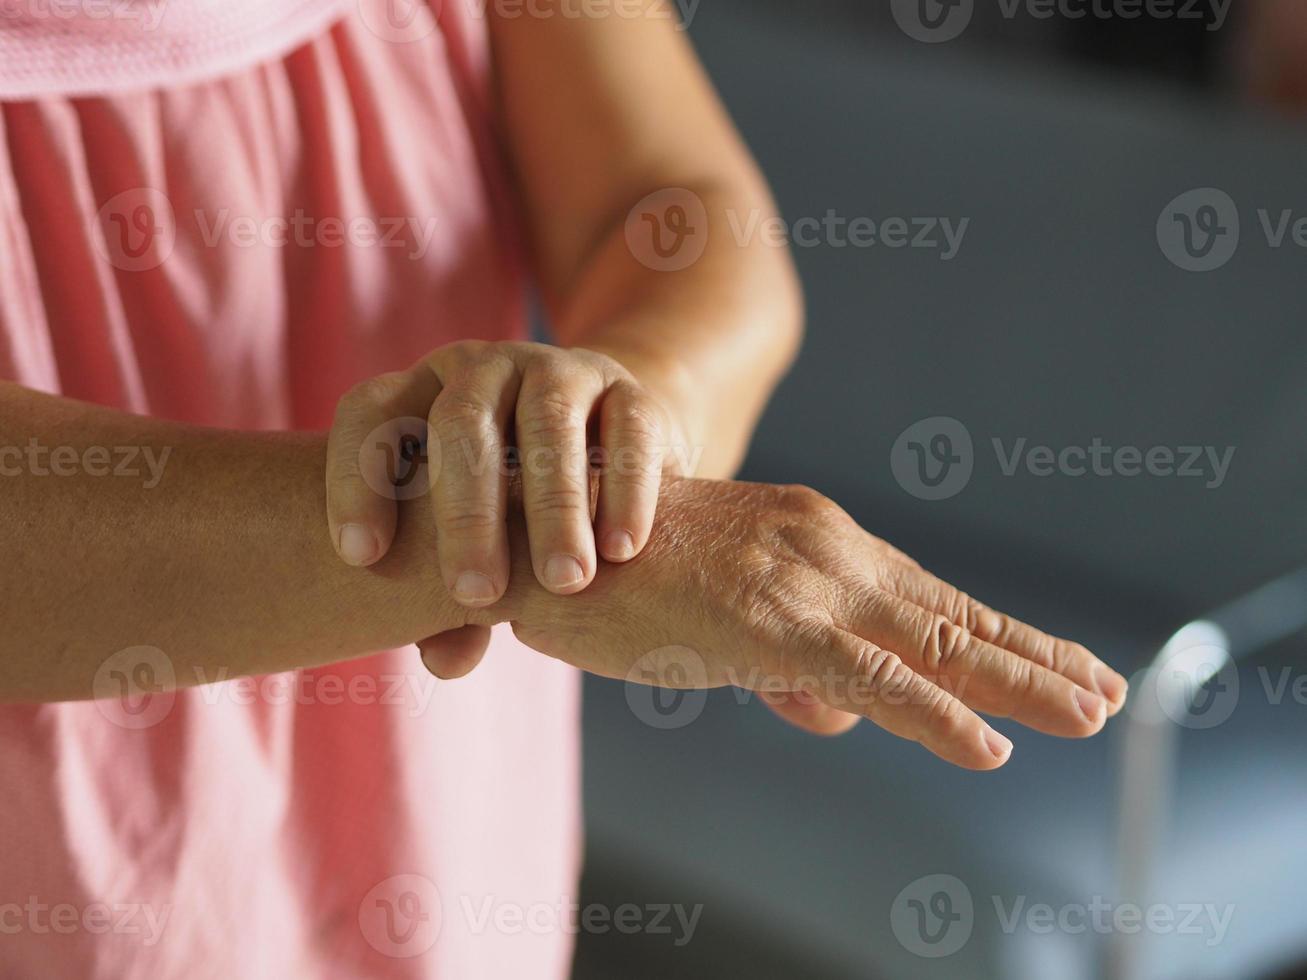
point(610, 120)
point(126, 531)
point(712, 339)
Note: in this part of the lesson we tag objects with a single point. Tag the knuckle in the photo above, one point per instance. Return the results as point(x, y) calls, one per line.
point(632, 410)
point(467, 519)
point(963, 610)
point(462, 352)
point(374, 392)
point(558, 501)
point(944, 642)
point(980, 619)
point(1026, 681)
point(636, 422)
point(460, 414)
point(639, 479)
point(877, 670)
point(809, 503)
point(550, 412)
point(801, 639)
point(1043, 650)
point(943, 716)
point(1067, 652)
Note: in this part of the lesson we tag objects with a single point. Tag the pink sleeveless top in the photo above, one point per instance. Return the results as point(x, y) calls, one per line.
point(228, 218)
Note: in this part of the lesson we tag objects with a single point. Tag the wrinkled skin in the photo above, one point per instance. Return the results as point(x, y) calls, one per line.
point(478, 398)
point(776, 589)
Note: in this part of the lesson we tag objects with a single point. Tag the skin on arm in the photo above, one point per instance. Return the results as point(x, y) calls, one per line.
point(666, 370)
point(223, 565)
point(627, 111)
point(775, 589)
point(788, 589)
point(670, 368)
point(629, 116)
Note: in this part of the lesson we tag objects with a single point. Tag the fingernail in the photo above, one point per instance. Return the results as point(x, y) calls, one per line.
point(619, 545)
point(358, 545)
point(1110, 684)
point(999, 747)
point(1091, 705)
point(422, 654)
point(562, 571)
point(474, 588)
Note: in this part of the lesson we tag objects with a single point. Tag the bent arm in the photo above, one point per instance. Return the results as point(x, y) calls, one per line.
point(121, 530)
point(602, 112)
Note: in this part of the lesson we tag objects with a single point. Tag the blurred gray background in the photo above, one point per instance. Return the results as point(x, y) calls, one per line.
point(1059, 320)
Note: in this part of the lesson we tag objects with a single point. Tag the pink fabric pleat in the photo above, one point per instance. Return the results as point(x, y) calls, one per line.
point(141, 267)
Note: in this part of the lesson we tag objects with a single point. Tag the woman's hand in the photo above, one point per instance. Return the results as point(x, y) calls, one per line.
point(777, 590)
point(464, 405)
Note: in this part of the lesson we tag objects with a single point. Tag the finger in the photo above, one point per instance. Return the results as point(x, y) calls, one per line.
point(553, 412)
point(631, 433)
point(469, 419)
point(1062, 656)
point(804, 711)
point(455, 653)
point(859, 676)
point(371, 456)
point(982, 675)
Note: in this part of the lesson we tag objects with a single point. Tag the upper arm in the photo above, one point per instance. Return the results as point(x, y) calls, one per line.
point(601, 111)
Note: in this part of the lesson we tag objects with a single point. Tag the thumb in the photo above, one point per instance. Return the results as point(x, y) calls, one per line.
point(455, 653)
